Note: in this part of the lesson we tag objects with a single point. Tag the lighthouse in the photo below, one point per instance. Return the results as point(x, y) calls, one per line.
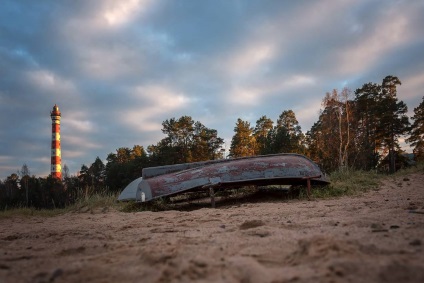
point(56, 168)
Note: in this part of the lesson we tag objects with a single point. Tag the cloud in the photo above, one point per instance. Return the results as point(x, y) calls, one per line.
point(155, 102)
point(47, 81)
point(250, 58)
point(388, 34)
point(121, 12)
point(118, 69)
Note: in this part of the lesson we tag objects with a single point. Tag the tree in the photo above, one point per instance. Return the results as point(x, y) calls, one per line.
point(394, 121)
point(381, 121)
point(118, 171)
point(243, 142)
point(180, 135)
point(24, 174)
point(366, 141)
point(123, 155)
point(54, 195)
point(321, 140)
point(289, 137)
point(186, 141)
point(263, 127)
point(162, 153)
point(341, 107)
point(113, 173)
point(65, 172)
point(84, 178)
point(329, 139)
point(206, 143)
point(416, 138)
point(121, 168)
point(12, 190)
point(137, 151)
point(97, 173)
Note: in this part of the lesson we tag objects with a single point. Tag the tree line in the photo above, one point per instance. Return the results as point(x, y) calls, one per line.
point(359, 130)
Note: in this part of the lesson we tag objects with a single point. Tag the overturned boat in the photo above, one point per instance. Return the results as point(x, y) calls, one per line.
point(276, 169)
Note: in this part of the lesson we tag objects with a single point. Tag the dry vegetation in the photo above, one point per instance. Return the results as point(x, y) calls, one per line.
point(346, 182)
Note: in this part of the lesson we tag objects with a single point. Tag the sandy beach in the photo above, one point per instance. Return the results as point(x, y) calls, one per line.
point(375, 237)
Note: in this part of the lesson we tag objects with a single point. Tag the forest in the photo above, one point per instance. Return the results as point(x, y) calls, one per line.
point(358, 130)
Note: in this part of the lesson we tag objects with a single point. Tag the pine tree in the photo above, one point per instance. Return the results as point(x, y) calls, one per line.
point(366, 142)
point(97, 173)
point(243, 142)
point(180, 135)
point(323, 138)
point(263, 126)
point(416, 138)
point(206, 143)
point(394, 121)
point(286, 136)
point(186, 141)
point(24, 174)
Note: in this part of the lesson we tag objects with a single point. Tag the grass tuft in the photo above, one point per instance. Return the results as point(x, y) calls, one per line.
point(98, 200)
point(345, 182)
point(418, 168)
point(102, 200)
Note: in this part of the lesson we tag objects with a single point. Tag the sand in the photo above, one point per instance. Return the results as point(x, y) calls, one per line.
point(375, 237)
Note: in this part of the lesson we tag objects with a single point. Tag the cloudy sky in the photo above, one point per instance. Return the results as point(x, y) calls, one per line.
point(118, 69)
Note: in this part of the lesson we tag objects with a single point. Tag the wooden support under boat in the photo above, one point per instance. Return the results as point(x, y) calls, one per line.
point(212, 194)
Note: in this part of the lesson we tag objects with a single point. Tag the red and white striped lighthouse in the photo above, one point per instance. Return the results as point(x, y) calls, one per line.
point(56, 167)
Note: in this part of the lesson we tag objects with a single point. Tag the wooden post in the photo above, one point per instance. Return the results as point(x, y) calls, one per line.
point(212, 195)
point(308, 182)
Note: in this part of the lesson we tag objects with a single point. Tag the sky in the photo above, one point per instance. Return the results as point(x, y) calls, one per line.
point(118, 69)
